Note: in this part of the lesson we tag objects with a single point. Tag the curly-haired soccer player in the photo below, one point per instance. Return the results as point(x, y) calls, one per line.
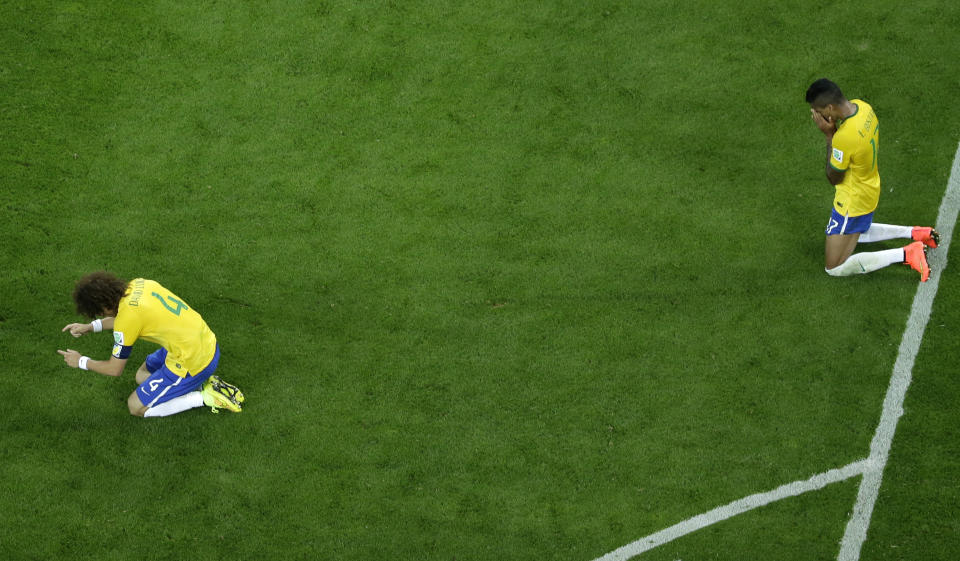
point(179, 375)
point(852, 131)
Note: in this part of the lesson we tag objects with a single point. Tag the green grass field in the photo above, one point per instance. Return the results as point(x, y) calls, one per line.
point(501, 281)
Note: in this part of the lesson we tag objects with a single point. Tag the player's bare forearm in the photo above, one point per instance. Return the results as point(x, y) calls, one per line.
point(78, 329)
point(112, 367)
point(834, 176)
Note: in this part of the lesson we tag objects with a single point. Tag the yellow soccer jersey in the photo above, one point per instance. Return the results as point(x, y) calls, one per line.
point(854, 150)
point(151, 312)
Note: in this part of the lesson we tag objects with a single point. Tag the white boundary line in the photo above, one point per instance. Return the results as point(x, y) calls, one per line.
point(872, 467)
point(745, 504)
point(856, 532)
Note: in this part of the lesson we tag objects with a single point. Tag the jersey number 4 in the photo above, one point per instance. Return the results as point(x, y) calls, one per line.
point(175, 311)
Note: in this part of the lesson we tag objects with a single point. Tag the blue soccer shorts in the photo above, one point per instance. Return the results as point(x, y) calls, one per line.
point(163, 385)
point(840, 224)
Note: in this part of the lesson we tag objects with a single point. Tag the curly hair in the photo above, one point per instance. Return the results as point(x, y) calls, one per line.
point(97, 292)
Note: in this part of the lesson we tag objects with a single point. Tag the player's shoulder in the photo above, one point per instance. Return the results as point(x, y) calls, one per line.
point(134, 295)
point(847, 132)
point(138, 293)
point(865, 112)
point(845, 137)
point(147, 286)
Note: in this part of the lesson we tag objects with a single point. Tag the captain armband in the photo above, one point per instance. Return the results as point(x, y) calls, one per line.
point(120, 351)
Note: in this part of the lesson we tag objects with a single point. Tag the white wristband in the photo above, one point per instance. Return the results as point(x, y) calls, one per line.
point(83, 362)
point(97, 326)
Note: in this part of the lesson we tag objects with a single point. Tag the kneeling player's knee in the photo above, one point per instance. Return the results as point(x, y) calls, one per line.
point(833, 262)
point(852, 266)
point(136, 408)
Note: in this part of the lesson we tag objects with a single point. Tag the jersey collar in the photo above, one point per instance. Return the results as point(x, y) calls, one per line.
point(855, 111)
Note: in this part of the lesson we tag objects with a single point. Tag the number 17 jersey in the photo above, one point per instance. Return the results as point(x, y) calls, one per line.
point(151, 312)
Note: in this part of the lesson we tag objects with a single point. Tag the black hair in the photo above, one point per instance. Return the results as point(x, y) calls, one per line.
point(823, 92)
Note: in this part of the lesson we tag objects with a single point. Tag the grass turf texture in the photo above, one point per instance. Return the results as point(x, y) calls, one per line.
point(500, 281)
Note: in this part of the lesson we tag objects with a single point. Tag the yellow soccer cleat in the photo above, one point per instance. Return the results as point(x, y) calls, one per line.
point(231, 391)
point(218, 394)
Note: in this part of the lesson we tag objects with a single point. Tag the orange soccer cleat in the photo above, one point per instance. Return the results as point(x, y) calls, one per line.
point(915, 255)
point(927, 235)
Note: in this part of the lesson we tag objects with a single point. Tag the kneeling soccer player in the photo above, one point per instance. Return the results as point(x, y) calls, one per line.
point(852, 132)
point(179, 375)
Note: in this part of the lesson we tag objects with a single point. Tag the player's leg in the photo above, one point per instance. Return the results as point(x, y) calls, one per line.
point(882, 232)
point(179, 404)
point(164, 393)
point(839, 248)
point(843, 233)
point(142, 373)
point(867, 262)
point(914, 255)
point(842, 236)
point(153, 362)
point(137, 408)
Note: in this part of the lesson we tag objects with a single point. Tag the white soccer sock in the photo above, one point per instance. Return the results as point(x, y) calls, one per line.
point(176, 405)
point(860, 263)
point(880, 232)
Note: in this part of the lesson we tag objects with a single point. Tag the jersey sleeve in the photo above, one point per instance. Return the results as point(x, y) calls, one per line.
point(126, 330)
point(840, 152)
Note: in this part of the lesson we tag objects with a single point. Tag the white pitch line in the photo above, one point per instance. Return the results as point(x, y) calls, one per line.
point(856, 532)
point(735, 508)
point(872, 467)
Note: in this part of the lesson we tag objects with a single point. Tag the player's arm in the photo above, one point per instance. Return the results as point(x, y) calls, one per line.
point(834, 175)
point(78, 329)
point(828, 128)
point(112, 367)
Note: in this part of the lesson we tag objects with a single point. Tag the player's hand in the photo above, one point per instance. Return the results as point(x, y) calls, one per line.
point(827, 126)
point(78, 329)
point(71, 357)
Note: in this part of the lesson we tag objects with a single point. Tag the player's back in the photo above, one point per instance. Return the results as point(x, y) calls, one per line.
point(867, 128)
point(150, 311)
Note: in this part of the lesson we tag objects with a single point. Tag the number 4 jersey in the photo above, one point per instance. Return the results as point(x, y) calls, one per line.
point(854, 150)
point(151, 312)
